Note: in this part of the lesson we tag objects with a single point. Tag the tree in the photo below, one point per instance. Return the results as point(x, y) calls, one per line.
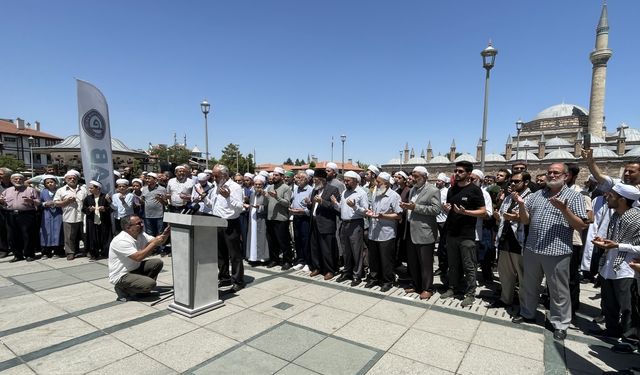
point(9, 161)
point(175, 154)
point(298, 162)
point(288, 162)
point(233, 159)
point(312, 165)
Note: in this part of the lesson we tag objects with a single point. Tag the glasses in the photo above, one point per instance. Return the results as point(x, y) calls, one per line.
point(138, 223)
point(554, 173)
point(516, 181)
point(459, 171)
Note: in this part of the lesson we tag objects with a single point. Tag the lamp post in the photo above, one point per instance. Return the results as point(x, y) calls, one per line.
point(204, 106)
point(519, 124)
point(488, 60)
point(343, 138)
point(31, 141)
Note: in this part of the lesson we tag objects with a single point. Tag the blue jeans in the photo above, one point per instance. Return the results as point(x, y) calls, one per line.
point(153, 227)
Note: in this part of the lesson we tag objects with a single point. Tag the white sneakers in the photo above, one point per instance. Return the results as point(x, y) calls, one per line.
point(298, 267)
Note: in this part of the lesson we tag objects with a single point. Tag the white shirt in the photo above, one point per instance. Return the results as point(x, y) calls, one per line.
point(71, 213)
point(624, 272)
point(176, 188)
point(121, 247)
point(489, 206)
point(227, 208)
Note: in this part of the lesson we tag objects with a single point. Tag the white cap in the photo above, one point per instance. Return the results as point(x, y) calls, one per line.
point(117, 174)
point(627, 191)
point(152, 174)
point(421, 169)
point(385, 176)
point(95, 183)
point(478, 173)
point(443, 177)
point(250, 175)
point(332, 165)
point(208, 171)
point(264, 174)
point(17, 175)
point(310, 172)
point(137, 180)
point(401, 174)
point(49, 176)
point(352, 174)
point(203, 176)
point(179, 167)
point(72, 172)
point(374, 169)
point(122, 181)
point(279, 170)
point(260, 178)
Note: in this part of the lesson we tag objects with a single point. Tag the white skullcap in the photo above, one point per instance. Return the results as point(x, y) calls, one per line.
point(478, 173)
point(352, 174)
point(137, 180)
point(144, 173)
point(279, 170)
point(203, 176)
point(117, 174)
point(250, 175)
point(442, 177)
point(401, 174)
point(122, 181)
point(17, 175)
point(310, 172)
point(627, 191)
point(72, 172)
point(385, 176)
point(332, 165)
point(152, 174)
point(374, 169)
point(49, 177)
point(95, 183)
point(208, 171)
point(179, 167)
point(260, 178)
point(264, 174)
point(421, 169)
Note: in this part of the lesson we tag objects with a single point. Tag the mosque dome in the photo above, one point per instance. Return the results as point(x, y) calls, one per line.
point(495, 157)
point(527, 143)
point(394, 161)
point(595, 140)
point(604, 153)
point(631, 135)
point(465, 157)
point(522, 156)
point(633, 152)
point(561, 110)
point(417, 160)
point(558, 142)
point(440, 160)
point(559, 155)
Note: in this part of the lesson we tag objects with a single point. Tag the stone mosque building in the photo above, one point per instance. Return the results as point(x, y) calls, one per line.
point(556, 134)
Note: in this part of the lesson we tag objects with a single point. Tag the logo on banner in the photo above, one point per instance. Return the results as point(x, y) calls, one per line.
point(94, 124)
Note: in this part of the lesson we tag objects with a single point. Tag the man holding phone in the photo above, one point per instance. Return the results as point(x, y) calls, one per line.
point(128, 269)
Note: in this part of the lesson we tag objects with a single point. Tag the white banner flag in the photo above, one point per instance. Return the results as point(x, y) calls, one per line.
point(95, 136)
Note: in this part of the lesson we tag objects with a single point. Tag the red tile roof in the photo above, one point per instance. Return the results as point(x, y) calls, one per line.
point(7, 127)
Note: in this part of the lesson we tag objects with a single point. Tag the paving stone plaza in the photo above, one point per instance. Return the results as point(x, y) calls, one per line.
point(61, 317)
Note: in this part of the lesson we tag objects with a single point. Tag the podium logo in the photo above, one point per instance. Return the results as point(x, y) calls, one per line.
point(94, 125)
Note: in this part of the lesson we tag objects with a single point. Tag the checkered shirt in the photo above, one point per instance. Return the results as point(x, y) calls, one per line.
point(549, 231)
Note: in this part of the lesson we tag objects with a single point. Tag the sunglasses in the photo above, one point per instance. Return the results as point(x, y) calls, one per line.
point(459, 171)
point(516, 181)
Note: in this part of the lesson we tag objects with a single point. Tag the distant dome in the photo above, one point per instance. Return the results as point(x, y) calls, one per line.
point(559, 155)
point(394, 161)
point(601, 152)
point(522, 156)
point(527, 143)
point(634, 152)
point(557, 142)
point(465, 157)
point(495, 157)
point(417, 160)
point(195, 150)
point(595, 140)
point(562, 110)
point(631, 135)
point(440, 160)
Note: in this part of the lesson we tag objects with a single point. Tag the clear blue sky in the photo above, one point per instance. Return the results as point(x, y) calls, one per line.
point(284, 76)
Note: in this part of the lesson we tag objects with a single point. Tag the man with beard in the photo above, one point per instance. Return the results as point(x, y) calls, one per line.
point(552, 215)
point(20, 203)
point(465, 204)
point(225, 201)
point(324, 253)
point(510, 240)
point(383, 217)
point(5, 183)
point(485, 251)
point(353, 207)
point(70, 198)
point(301, 220)
point(278, 201)
point(179, 189)
point(541, 181)
point(423, 207)
point(332, 174)
point(400, 178)
point(442, 183)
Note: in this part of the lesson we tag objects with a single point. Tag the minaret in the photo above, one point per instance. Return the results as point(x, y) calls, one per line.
point(412, 154)
point(406, 153)
point(541, 147)
point(508, 151)
point(599, 58)
point(621, 142)
point(452, 150)
point(429, 152)
point(578, 144)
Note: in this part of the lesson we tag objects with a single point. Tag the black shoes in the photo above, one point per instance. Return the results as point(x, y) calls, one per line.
point(16, 259)
point(272, 264)
point(624, 348)
point(356, 282)
point(237, 287)
point(224, 282)
point(286, 266)
point(518, 319)
point(603, 333)
point(560, 334)
point(371, 283)
point(342, 278)
point(497, 304)
point(386, 287)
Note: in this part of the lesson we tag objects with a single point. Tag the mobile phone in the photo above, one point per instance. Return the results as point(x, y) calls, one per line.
point(586, 141)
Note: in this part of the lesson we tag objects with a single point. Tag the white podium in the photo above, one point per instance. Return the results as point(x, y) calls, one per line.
point(194, 249)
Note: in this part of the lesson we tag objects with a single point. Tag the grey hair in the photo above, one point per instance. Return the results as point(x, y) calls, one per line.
point(223, 170)
point(6, 170)
point(126, 221)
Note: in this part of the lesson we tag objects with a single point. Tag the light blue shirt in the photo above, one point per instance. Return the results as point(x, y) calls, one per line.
point(298, 197)
point(383, 229)
point(361, 200)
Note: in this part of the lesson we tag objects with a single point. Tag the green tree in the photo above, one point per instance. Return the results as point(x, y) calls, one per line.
point(9, 161)
point(298, 162)
point(312, 165)
point(288, 162)
point(175, 154)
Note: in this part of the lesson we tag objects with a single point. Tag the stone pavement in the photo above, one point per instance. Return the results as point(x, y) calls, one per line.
point(61, 317)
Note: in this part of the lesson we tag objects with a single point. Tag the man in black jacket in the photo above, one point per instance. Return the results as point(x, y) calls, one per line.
point(324, 253)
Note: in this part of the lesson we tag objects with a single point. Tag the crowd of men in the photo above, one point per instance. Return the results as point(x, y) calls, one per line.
point(365, 227)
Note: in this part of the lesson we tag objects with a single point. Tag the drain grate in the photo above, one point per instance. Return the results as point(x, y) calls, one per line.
point(283, 305)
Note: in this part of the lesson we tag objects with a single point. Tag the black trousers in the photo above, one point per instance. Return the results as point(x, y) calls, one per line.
point(462, 264)
point(279, 241)
point(324, 253)
point(301, 234)
point(353, 247)
point(574, 278)
point(229, 250)
point(618, 297)
point(381, 255)
point(22, 234)
point(443, 262)
point(420, 263)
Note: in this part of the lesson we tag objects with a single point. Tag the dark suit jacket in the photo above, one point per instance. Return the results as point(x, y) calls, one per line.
point(89, 200)
point(326, 215)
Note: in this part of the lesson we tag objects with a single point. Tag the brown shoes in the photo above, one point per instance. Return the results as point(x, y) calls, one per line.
point(314, 273)
point(409, 290)
point(328, 276)
point(425, 295)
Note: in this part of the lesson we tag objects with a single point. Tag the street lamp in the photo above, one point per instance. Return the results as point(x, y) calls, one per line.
point(488, 60)
point(343, 138)
point(519, 124)
point(31, 141)
point(204, 106)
